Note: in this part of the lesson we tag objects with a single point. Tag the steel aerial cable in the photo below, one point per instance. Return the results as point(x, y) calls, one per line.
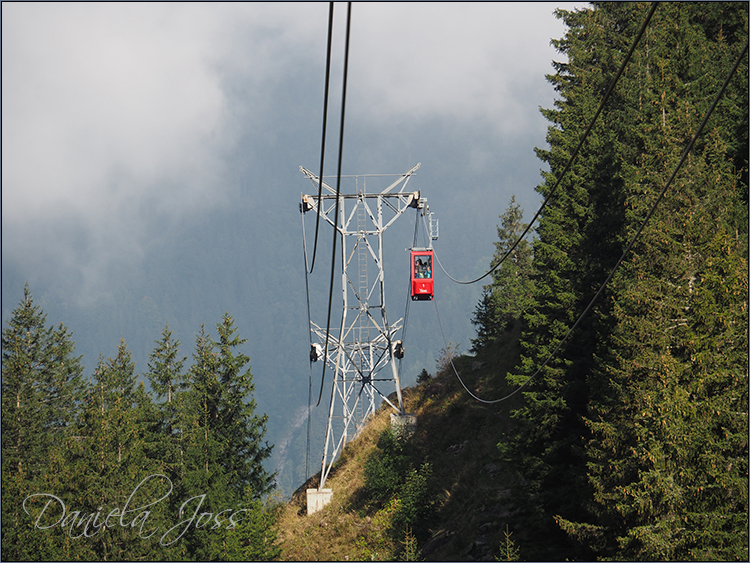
point(309, 411)
point(408, 293)
point(323, 136)
point(627, 249)
point(427, 234)
point(408, 289)
point(307, 281)
point(309, 339)
point(573, 156)
point(338, 193)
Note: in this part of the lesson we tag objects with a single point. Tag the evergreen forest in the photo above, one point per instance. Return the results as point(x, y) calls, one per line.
point(625, 438)
point(632, 441)
point(104, 470)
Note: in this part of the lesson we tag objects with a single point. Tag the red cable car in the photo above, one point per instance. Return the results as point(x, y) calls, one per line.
point(422, 285)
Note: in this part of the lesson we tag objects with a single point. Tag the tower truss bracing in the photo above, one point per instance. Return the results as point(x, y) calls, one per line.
point(360, 352)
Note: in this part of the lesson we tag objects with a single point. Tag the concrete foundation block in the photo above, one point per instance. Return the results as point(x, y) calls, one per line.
point(404, 423)
point(317, 499)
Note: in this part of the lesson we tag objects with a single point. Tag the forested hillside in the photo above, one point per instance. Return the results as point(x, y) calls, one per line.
point(632, 441)
point(629, 442)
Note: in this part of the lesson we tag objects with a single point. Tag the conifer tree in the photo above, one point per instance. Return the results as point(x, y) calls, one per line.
point(168, 383)
point(579, 237)
point(103, 462)
point(254, 539)
point(41, 389)
point(668, 454)
point(632, 442)
point(224, 443)
point(504, 300)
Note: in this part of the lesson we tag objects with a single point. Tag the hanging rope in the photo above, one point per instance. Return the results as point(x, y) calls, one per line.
point(408, 296)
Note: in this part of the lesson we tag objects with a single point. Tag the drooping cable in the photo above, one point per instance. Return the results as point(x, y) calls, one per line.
point(408, 294)
point(628, 248)
point(309, 339)
point(573, 156)
point(309, 413)
point(323, 136)
point(338, 193)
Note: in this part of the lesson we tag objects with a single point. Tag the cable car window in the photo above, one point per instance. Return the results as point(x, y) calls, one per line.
point(423, 267)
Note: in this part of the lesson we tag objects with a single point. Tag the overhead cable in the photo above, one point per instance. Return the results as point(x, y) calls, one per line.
point(408, 294)
point(629, 246)
point(309, 337)
point(317, 225)
point(323, 136)
point(573, 156)
point(338, 193)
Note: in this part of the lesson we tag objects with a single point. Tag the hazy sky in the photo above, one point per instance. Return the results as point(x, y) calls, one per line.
point(110, 109)
point(137, 138)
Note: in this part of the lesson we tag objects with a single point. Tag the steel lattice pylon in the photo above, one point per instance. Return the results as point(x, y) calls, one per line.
point(365, 342)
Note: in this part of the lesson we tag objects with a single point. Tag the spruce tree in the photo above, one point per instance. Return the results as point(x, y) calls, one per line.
point(165, 424)
point(41, 389)
point(103, 462)
point(579, 237)
point(225, 450)
point(254, 539)
point(668, 454)
point(505, 298)
point(632, 442)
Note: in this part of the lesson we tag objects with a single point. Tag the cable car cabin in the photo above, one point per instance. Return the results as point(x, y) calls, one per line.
point(421, 275)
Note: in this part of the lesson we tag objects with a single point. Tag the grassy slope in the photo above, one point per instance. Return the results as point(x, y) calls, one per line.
point(459, 437)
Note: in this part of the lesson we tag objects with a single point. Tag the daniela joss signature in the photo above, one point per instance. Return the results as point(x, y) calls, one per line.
point(79, 524)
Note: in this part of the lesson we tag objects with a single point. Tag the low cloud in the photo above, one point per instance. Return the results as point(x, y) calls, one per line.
point(119, 115)
point(113, 115)
point(102, 104)
point(465, 61)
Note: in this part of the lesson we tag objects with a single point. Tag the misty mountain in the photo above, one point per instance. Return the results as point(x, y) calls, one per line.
point(246, 258)
point(178, 228)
